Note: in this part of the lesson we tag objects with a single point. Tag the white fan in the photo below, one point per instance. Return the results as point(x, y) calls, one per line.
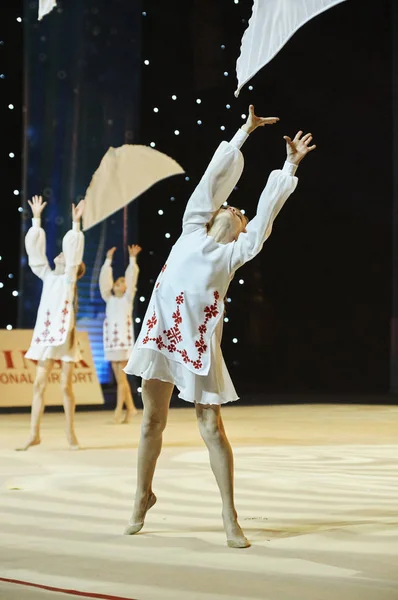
point(123, 175)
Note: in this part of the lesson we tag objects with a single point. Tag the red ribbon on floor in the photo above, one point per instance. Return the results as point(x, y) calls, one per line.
point(65, 591)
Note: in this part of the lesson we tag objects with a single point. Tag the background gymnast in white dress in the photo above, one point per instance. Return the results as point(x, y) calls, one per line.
point(118, 332)
point(179, 343)
point(54, 337)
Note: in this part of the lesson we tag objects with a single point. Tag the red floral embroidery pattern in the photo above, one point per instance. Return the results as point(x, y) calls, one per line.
point(151, 322)
point(115, 334)
point(129, 332)
point(177, 317)
point(106, 332)
point(47, 323)
point(116, 342)
point(65, 312)
point(201, 346)
point(161, 271)
point(174, 336)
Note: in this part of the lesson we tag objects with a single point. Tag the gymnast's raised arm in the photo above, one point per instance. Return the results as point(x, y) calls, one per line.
point(35, 240)
point(221, 176)
point(281, 183)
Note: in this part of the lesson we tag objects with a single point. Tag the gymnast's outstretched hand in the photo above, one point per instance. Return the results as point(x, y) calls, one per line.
point(134, 249)
point(37, 206)
point(110, 253)
point(299, 147)
point(77, 211)
point(253, 121)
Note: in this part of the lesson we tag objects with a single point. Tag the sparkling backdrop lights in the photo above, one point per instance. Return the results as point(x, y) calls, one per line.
point(163, 74)
point(11, 78)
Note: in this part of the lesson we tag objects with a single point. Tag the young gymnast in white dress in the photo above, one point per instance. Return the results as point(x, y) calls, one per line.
point(54, 337)
point(179, 343)
point(118, 332)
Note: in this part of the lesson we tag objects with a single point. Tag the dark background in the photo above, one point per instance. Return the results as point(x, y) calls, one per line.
point(314, 311)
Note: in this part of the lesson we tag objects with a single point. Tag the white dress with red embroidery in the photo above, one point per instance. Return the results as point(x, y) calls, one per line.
point(118, 333)
point(181, 334)
point(54, 336)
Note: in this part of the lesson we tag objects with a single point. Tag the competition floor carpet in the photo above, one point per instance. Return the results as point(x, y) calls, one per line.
point(316, 491)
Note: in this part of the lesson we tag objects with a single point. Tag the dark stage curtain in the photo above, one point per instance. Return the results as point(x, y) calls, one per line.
point(81, 95)
point(314, 311)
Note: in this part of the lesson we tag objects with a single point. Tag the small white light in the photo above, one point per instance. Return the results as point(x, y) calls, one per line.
point(152, 144)
point(9, 327)
point(235, 340)
point(225, 73)
point(138, 320)
point(1, 284)
point(172, 198)
point(174, 97)
point(156, 109)
point(19, 19)
point(16, 192)
point(176, 132)
point(167, 235)
point(226, 319)
point(225, 203)
point(144, 14)
point(160, 212)
point(146, 62)
point(222, 128)
point(15, 293)
point(199, 122)
point(250, 87)
point(11, 106)
point(11, 155)
point(228, 106)
point(243, 116)
point(241, 281)
point(10, 276)
point(222, 47)
point(198, 100)
point(229, 299)
point(139, 390)
point(243, 211)
point(142, 298)
point(236, 1)
point(20, 209)
point(186, 178)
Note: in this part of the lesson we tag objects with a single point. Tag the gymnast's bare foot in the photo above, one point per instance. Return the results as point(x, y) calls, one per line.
point(34, 440)
point(235, 536)
point(141, 507)
point(118, 417)
point(130, 414)
point(73, 441)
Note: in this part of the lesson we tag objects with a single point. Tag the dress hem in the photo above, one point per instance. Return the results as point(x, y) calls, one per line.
point(180, 393)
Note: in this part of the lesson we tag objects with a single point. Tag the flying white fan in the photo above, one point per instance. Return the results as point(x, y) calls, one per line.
point(272, 24)
point(123, 175)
